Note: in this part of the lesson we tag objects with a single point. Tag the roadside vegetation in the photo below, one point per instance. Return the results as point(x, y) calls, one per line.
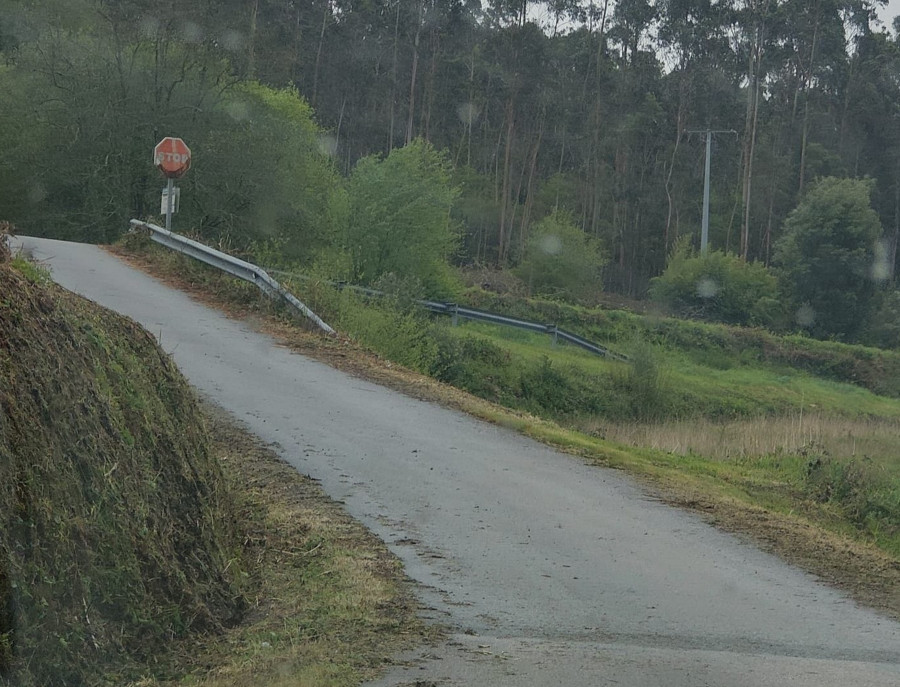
point(145, 539)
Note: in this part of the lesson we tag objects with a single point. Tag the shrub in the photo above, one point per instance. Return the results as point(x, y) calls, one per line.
point(642, 389)
point(399, 218)
point(717, 287)
point(561, 260)
point(864, 497)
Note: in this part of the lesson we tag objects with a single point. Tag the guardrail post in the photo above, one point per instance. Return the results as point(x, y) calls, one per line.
point(454, 308)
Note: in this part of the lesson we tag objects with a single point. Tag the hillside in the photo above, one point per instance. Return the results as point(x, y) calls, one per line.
point(117, 533)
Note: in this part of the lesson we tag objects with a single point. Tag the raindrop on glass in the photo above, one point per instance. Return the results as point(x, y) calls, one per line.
point(468, 113)
point(551, 245)
point(881, 266)
point(805, 315)
point(707, 288)
point(328, 145)
point(232, 41)
point(150, 26)
point(191, 32)
point(36, 194)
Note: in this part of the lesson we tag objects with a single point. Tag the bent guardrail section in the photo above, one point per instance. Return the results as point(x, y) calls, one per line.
point(233, 266)
point(456, 311)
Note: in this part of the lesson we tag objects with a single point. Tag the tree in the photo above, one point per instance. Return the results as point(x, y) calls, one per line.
point(826, 256)
point(561, 260)
point(400, 217)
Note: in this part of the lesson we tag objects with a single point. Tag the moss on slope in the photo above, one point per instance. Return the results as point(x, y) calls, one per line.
point(116, 529)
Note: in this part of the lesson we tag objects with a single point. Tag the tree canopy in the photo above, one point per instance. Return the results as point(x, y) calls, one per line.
point(596, 110)
point(826, 257)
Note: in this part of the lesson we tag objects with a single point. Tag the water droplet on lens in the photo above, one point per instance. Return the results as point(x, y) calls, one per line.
point(707, 288)
point(805, 315)
point(150, 26)
point(551, 245)
point(328, 145)
point(232, 41)
point(468, 112)
point(881, 266)
point(191, 32)
point(238, 111)
point(36, 194)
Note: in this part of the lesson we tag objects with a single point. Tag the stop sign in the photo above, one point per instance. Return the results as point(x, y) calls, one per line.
point(172, 157)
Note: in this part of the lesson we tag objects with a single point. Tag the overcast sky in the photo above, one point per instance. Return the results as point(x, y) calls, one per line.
point(888, 13)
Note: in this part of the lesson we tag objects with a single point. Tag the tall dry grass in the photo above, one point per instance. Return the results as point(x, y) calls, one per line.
point(840, 438)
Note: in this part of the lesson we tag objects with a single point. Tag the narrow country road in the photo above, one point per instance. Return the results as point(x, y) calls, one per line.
point(552, 572)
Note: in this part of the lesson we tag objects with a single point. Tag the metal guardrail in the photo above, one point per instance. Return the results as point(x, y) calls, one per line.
point(233, 266)
point(456, 311)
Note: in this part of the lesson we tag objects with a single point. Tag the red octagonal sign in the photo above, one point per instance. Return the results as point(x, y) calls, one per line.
point(172, 157)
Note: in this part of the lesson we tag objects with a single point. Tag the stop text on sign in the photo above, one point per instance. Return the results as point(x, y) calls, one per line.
point(172, 157)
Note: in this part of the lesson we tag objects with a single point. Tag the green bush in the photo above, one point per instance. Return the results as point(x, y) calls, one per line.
point(561, 260)
point(717, 287)
point(642, 389)
point(399, 220)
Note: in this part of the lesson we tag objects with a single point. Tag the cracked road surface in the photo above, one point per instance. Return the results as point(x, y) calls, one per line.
point(550, 572)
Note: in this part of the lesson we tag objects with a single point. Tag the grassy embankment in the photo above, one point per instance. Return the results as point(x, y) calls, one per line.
point(724, 419)
point(133, 548)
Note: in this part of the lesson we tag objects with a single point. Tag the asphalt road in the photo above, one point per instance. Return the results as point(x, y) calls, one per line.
point(552, 572)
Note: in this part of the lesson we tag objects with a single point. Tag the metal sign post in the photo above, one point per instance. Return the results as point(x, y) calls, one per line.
point(170, 202)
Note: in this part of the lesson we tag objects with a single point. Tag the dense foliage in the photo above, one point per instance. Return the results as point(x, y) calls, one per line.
point(561, 260)
point(717, 287)
point(826, 257)
point(371, 137)
point(400, 217)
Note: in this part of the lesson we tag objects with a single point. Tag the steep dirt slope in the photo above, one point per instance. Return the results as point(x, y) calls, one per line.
point(116, 529)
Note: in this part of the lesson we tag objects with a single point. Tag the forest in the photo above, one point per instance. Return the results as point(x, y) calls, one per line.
point(566, 138)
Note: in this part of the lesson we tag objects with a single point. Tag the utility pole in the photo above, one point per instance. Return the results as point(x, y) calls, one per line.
point(704, 227)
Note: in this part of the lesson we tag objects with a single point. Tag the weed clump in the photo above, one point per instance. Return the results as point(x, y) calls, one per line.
point(117, 532)
point(865, 498)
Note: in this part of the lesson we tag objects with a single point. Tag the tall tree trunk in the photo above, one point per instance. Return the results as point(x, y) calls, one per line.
point(529, 189)
point(504, 196)
point(679, 129)
point(251, 40)
point(410, 133)
point(394, 76)
point(809, 72)
point(298, 46)
point(892, 265)
point(753, 87)
point(315, 89)
point(429, 98)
